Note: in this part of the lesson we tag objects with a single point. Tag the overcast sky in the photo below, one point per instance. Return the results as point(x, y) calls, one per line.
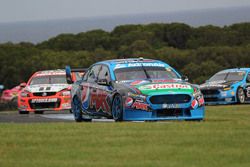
point(26, 10)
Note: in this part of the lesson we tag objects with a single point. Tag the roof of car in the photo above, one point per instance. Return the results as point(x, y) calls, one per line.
point(236, 69)
point(125, 61)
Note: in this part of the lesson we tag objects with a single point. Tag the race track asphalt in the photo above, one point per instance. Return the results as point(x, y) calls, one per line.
point(48, 116)
point(15, 117)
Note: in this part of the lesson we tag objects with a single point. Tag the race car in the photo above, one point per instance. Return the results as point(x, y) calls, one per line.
point(227, 87)
point(45, 90)
point(134, 90)
point(10, 95)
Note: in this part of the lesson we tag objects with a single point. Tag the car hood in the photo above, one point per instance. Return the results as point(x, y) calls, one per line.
point(157, 87)
point(46, 88)
point(217, 84)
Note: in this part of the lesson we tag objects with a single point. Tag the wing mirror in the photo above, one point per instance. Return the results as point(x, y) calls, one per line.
point(184, 78)
point(22, 85)
point(248, 78)
point(68, 75)
point(103, 82)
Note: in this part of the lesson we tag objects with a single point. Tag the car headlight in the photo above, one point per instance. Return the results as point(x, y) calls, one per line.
point(25, 93)
point(65, 93)
point(228, 88)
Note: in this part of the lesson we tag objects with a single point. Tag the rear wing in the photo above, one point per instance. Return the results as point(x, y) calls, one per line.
point(72, 75)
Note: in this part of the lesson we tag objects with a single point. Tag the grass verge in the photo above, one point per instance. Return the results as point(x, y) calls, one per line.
point(221, 140)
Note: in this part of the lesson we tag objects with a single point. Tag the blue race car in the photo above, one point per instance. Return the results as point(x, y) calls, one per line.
point(134, 90)
point(227, 87)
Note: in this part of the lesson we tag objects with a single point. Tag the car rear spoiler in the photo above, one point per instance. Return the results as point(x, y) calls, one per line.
point(69, 72)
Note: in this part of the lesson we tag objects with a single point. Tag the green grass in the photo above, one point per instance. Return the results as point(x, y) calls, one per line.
point(223, 139)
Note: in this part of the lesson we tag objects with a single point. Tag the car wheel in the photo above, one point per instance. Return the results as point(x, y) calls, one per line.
point(240, 95)
point(77, 111)
point(117, 108)
point(14, 103)
point(23, 112)
point(39, 112)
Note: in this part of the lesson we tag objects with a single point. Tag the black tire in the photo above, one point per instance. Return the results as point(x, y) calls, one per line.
point(13, 103)
point(23, 112)
point(240, 94)
point(39, 112)
point(77, 111)
point(117, 108)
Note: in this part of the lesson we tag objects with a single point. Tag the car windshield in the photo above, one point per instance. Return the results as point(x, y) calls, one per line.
point(228, 76)
point(49, 79)
point(135, 73)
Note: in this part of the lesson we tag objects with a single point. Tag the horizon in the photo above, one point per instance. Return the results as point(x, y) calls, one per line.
point(38, 31)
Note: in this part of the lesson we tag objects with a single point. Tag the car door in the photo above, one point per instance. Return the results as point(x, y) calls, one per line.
point(88, 88)
point(103, 90)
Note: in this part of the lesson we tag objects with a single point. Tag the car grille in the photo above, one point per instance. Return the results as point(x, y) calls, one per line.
point(211, 99)
point(173, 112)
point(44, 93)
point(48, 105)
point(170, 99)
point(210, 92)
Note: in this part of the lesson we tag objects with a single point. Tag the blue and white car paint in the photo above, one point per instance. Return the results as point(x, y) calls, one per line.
point(227, 87)
point(123, 89)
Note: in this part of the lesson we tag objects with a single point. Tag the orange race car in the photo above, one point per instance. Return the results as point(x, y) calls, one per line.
point(46, 90)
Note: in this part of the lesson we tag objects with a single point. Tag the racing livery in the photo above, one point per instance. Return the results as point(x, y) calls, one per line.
point(227, 87)
point(10, 95)
point(134, 90)
point(45, 90)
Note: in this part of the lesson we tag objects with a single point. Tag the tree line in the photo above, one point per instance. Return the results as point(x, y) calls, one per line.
point(197, 52)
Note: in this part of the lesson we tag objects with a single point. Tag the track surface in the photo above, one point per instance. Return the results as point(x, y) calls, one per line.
point(48, 116)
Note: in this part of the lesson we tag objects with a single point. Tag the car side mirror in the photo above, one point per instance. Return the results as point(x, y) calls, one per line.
point(248, 78)
point(103, 82)
point(22, 85)
point(184, 78)
point(68, 75)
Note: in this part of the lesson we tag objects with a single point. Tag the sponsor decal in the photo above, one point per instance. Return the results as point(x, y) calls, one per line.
point(138, 82)
point(163, 80)
point(201, 101)
point(146, 64)
point(44, 94)
point(140, 105)
point(45, 73)
point(129, 101)
point(170, 106)
point(120, 66)
point(136, 96)
point(194, 104)
point(98, 100)
point(164, 86)
point(44, 100)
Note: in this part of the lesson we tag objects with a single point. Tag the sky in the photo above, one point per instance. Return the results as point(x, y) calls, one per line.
point(33, 10)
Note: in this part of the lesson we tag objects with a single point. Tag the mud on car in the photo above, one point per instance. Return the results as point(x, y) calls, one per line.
point(134, 90)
